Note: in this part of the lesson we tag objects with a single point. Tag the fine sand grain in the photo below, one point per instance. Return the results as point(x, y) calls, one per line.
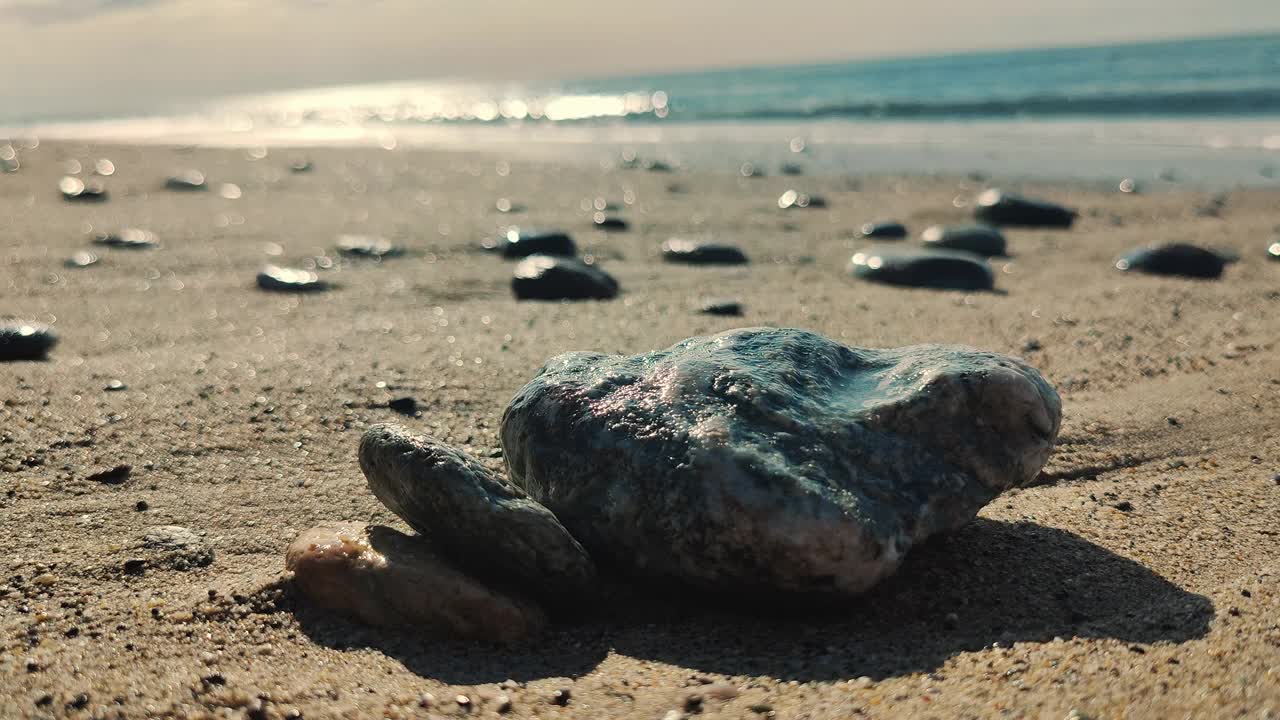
point(1138, 579)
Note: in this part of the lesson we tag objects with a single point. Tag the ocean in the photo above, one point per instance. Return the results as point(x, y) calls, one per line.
point(1208, 109)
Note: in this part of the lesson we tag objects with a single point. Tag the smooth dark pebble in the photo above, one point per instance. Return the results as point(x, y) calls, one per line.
point(1123, 506)
point(694, 252)
point(941, 269)
point(404, 405)
point(134, 566)
point(977, 239)
point(81, 259)
point(367, 246)
point(278, 279)
point(761, 708)
point(76, 190)
point(517, 243)
point(114, 476)
point(187, 180)
point(884, 230)
point(141, 506)
point(545, 277)
point(792, 169)
point(1176, 259)
point(609, 222)
point(561, 697)
point(731, 308)
point(25, 341)
point(1002, 208)
point(129, 239)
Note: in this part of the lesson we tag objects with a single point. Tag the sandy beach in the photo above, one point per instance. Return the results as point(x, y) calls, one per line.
point(1136, 579)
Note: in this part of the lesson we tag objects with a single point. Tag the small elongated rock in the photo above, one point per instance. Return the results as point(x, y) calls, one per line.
point(21, 340)
point(516, 243)
point(81, 259)
point(694, 252)
point(939, 269)
point(1273, 250)
point(1175, 259)
point(369, 246)
point(610, 222)
point(74, 189)
point(544, 277)
point(794, 200)
point(128, 239)
point(774, 460)
point(278, 279)
point(383, 577)
point(722, 306)
point(474, 517)
point(977, 239)
point(997, 207)
point(186, 181)
point(884, 230)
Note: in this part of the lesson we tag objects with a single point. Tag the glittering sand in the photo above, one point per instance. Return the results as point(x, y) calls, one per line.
point(1137, 579)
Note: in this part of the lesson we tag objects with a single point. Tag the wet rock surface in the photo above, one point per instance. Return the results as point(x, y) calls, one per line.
point(884, 230)
point(977, 239)
point(74, 189)
point(545, 277)
point(186, 181)
point(516, 243)
point(21, 340)
point(774, 460)
point(997, 207)
point(694, 252)
point(938, 269)
point(1174, 259)
point(278, 279)
point(129, 239)
point(474, 517)
point(384, 577)
point(369, 246)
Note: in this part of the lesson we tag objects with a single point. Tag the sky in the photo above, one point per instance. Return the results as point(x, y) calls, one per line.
point(122, 56)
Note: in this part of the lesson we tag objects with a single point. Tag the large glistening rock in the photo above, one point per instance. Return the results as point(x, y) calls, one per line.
point(383, 577)
point(997, 207)
point(938, 269)
point(475, 518)
point(774, 460)
point(543, 277)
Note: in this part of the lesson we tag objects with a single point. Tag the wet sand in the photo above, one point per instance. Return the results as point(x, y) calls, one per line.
point(1137, 579)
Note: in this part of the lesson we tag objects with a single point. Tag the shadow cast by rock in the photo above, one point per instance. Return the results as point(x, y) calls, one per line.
point(988, 582)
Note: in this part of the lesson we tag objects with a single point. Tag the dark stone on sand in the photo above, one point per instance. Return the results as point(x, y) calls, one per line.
point(884, 230)
point(774, 460)
point(129, 239)
point(977, 239)
point(115, 386)
point(997, 207)
point(176, 548)
point(406, 405)
point(187, 180)
point(658, 166)
point(793, 200)
point(74, 189)
point(938, 269)
point(300, 166)
point(1273, 250)
point(477, 519)
point(545, 277)
point(727, 307)
point(516, 243)
point(792, 169)
point(609, 222)
point(1177, 259)
point(278, 279)
point(81, 259)
point(21, 340)
point(115, 476)
point(370, 246)
point(694, 252)
point(384, 577)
